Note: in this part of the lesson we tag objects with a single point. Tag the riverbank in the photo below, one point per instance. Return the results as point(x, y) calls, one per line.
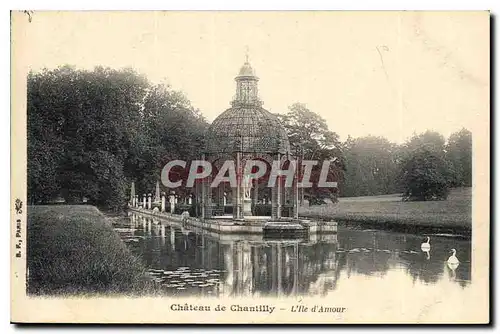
point(453, 215)
point(73, 249)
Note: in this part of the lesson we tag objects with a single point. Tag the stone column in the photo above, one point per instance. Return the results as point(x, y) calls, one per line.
point(295, 192)
point(255, 195)
point(276, 194)
point(172, 202)
point(274, 207)
point(220, 196)
point(203, 197)
point(157, 192)
point(132, 194)
point(278, 197)
point(163, 200)
point(301, 175)
point(208, 197)
point(144, 198)
point(237, 200)
point(149, 201)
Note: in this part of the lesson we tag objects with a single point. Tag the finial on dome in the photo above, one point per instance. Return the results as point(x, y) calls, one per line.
point(246, 71)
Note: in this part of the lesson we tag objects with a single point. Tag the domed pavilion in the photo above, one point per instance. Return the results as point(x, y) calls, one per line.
point(247, 131)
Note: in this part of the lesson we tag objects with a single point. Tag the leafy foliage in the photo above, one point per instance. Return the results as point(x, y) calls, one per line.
point(308, 131)
point(309, 136)
point(423, 168)
point(425, 172)
point(459, 154)
point(371, 166)
point(91, 132)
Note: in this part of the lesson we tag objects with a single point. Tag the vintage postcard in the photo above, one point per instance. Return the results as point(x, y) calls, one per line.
point(315, 167)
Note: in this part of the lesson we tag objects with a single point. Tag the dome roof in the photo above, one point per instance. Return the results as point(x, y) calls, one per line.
point(246, 71)
point(246, 127)
point(249, 128)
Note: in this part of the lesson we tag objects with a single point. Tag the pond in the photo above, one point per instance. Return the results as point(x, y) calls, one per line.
point(190, 262)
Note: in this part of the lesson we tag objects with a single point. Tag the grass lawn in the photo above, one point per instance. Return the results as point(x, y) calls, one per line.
point(73, 249)
point(451, 215)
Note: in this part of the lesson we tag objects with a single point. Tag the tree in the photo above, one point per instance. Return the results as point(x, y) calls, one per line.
point(43, 159)
point(371, 166)
point(309, 131)
point(431, 140)
point(425, 172)
point(90, 133)
point(175, 131)
point(309, 135)
point(459, 155)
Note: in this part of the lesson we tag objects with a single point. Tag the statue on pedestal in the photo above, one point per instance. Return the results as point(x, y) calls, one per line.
point(246, 186)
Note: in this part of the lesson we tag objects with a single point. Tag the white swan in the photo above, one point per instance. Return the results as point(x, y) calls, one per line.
point(453, 260)
point(426, 246)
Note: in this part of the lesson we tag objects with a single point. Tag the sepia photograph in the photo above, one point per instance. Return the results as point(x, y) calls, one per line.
point(250, 167)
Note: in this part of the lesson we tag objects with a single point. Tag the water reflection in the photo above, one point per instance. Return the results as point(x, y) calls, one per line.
point(188, 261)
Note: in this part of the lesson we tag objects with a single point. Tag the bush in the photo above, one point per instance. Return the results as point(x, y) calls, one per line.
point(425, 176)
point(74, 249)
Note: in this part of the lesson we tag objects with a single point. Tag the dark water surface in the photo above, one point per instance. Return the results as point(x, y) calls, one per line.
point(191, 262)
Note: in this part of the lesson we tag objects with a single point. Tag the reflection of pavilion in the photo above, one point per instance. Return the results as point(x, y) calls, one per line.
point(251, 265)
point(279, 268)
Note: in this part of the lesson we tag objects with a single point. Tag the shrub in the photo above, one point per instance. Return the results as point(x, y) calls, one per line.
point(74, 249)
point(425, 176)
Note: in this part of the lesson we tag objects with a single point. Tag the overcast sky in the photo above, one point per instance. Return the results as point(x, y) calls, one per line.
point(388, 74)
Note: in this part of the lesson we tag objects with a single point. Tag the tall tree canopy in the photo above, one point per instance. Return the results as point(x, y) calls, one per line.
point(91, 132)
point(309, 135)
point(371, 167)
point(459, 154)
point(425, 171)
point(309, 131)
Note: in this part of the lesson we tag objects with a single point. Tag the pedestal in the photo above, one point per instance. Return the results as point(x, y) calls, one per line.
point(247, 207)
